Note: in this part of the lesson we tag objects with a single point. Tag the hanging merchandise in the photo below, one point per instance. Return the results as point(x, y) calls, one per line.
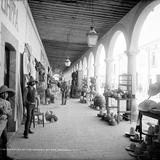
point(41, 70)
point(32, 67)
point(26, 60)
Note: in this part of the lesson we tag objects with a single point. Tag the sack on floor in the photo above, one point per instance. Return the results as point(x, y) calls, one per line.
point(50, 116)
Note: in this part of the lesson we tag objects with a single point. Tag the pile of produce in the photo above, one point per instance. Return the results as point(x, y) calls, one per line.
point(117, 93)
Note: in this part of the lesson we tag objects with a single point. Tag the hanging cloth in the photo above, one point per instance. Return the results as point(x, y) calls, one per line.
point(26, 60)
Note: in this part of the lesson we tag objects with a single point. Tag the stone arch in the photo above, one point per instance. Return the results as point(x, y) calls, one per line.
point(117, 57)
point(142, 14)
point(112, 42)
point(141, 72)
point(119, 28)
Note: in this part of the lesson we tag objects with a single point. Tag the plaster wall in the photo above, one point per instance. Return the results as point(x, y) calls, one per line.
point(25, 32)
point(17, 28)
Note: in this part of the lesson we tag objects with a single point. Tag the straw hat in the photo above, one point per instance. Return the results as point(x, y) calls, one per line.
point(4, 89)
point(131, 147)
point(156, 109)
point(137, 152)
point(147, 105)
point(31, 80)
point(131, 132)
point(136, 138)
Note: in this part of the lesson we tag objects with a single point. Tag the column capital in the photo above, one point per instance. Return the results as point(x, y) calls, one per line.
point(95, 65)
point(109, 60)
point(132, 52)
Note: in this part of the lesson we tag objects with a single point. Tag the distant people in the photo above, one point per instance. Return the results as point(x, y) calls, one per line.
point(64, 90)
point(29, 102)
point(52, 95)
point(5, 112)
point(48, 94)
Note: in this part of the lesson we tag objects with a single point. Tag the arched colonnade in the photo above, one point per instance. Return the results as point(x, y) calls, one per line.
point(106, 61)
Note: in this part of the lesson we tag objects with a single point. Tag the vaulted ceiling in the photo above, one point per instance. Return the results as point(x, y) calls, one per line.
point(63, 24)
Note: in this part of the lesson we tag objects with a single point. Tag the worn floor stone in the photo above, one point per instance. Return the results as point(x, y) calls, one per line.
point(78, 134)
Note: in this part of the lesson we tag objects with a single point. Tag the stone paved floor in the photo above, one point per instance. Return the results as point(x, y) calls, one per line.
point(78, 134)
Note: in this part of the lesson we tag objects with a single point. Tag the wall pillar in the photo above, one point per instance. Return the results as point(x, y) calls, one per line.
point(132, 70)
point(88, 74)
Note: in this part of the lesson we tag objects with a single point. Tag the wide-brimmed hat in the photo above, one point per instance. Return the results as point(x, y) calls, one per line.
point(31, 80)
point(147, 105)
point(156, 110)
point(131, 132)
point(137, 152)
point(136, 138)
point(10, 91)
point(131, 147)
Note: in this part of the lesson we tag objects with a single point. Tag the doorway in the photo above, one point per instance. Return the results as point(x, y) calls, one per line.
point(6, 66)
point(10, 79)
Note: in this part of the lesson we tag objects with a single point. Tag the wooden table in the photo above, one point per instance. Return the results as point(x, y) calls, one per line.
point(148, 114)
point(118, 106)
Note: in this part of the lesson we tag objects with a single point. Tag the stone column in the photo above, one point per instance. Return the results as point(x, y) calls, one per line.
point(108, 71)
point(132, 70)
point(88, 80)
point(96, 75)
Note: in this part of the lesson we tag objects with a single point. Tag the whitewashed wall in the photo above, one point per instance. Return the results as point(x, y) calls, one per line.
point(25, 32)
point(17, 21)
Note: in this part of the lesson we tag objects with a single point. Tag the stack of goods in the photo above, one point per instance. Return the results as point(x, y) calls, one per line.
point(117, 93)
point(149, 106)
point(146, 149)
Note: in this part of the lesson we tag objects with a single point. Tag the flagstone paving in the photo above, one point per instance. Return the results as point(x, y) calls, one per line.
point(78, 134)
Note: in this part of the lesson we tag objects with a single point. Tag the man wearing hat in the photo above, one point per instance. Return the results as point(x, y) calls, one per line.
point(5, 112)
point(64, 91)
point(29, 102)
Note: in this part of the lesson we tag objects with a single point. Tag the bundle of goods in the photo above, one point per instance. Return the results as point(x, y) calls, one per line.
point(50, 116)
point(98, 102)
point(111, 118)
